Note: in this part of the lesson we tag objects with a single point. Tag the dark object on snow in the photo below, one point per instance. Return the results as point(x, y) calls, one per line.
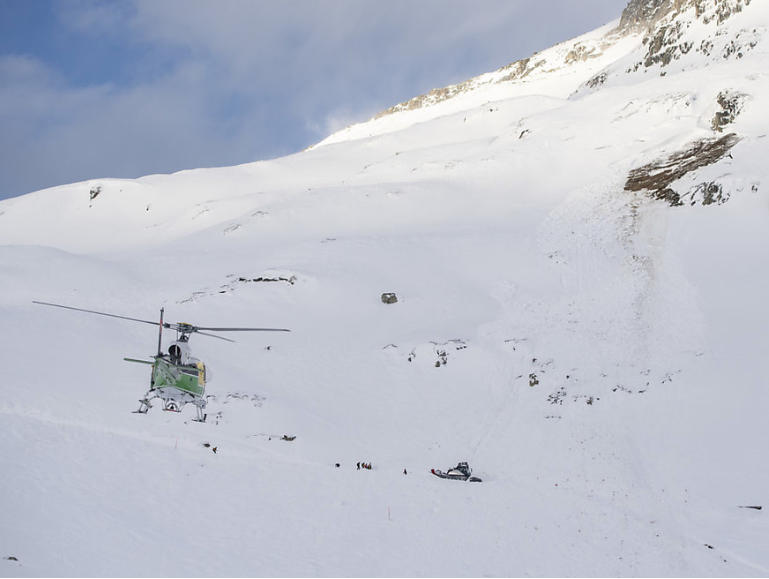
point(404, 471)
point(460, 472)
point(214, 449)
point(288, 438)
point(756, 507)
point(389, 298)
point(337, 465)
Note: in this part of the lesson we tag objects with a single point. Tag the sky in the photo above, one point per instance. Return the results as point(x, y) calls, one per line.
point(94, 89)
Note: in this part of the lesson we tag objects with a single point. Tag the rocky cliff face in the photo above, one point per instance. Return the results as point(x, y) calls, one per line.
point(640, 15)
point(643, 14)
point(666, 26)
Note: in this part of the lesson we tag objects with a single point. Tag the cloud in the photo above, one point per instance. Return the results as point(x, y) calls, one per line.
point(93, 16)
point(321, 52)
point(152, 86)
point(54, 133)
point(34, 106)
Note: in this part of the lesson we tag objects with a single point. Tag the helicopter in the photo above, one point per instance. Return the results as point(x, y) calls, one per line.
point(177, 377)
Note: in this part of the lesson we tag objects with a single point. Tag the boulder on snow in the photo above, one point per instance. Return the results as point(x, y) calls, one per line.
point(389, 298)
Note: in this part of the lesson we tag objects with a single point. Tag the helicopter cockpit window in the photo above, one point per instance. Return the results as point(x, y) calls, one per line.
point(176, 353)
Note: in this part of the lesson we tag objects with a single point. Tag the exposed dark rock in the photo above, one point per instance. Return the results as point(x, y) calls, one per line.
point(731, 106)
point(725, 9)
point(667, 194)
point(581, 53)
point(289, 280)
point(520, 69)
point(389, 298)
point(441, 351)
point(642, 14)
point(236, 281)
point(557, 396)
point(708, 194)
point(434, 96)
point(657, 176)
point(597, 80)
point(664, 45)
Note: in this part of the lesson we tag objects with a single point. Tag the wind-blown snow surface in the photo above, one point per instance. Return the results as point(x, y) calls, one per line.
point(598, 356)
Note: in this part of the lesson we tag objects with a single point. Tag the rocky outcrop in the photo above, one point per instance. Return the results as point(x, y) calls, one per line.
point(731, 105)
point(642, 15)
point(666, 34)
point(657, 177)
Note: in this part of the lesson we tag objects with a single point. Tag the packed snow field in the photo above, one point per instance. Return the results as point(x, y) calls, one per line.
point(595, 351)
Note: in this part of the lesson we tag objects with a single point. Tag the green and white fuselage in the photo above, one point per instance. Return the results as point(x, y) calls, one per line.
point(177, 379)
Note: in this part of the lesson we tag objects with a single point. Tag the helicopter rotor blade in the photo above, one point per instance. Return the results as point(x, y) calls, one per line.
point(190, 329)
point(243, 329)
point(215, 336)
point(95, 312)
point(184, 328)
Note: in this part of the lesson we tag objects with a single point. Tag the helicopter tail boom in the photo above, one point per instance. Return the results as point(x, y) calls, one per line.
point(148, 362)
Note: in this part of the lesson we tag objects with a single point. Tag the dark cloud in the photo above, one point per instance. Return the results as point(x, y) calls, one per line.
point(191, 83)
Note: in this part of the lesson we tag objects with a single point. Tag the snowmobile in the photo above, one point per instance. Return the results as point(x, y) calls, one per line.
point(460, 472)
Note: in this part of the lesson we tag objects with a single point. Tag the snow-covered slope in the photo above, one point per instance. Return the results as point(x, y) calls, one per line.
point(579, 247)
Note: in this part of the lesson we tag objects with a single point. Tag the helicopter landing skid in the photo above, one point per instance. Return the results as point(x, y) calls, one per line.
point(145, 406)
point(174, 406)
point(201, 417)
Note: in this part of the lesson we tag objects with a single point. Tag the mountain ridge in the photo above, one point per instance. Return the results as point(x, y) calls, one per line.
point(653, 21)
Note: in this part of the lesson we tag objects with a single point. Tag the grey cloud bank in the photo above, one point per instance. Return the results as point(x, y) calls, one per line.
point(138, 87)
